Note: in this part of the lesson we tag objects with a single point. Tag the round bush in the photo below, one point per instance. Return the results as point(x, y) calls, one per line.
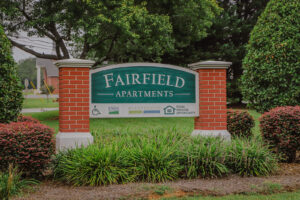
point(239, 123)
point(11, 98)
point(27, 145)
point(281, 128)
point(272, 65)
point(23, 118)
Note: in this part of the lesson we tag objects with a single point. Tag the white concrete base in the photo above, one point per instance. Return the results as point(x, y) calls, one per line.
point(66, 141)
point(224, 134)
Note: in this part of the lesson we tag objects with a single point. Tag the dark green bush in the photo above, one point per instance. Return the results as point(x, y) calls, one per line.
point(281, 128)
point(272, 65)
point(239, 123)
point(11, 98)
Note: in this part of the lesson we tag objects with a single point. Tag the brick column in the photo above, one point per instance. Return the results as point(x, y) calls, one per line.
point(212, 120)
point(74, 102)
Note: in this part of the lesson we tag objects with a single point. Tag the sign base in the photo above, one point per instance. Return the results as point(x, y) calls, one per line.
point(223, 134)
point(69, 140)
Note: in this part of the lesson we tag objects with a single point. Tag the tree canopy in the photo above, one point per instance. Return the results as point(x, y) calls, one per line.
point(118, 30)
point(26, 70)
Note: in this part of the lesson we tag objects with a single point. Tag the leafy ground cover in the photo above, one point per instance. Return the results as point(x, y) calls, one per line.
point(40, 103)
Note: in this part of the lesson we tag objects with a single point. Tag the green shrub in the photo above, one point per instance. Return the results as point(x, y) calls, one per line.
point(250, 158)
point(159, 156)
point(281, 128)
point(29, 145)
point(154, 158)
point(11, 98)
point(94, 165)
point(239, 123)
point(272, 65)
point(204, 157)
point(11, 183)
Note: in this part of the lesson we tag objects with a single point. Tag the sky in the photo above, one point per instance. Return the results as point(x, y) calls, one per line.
point(36, 43)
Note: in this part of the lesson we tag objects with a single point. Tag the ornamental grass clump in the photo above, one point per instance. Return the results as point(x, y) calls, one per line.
point(250, 158)
point(204, 157)
point(155, 158)
point(94, 165)
point(11, 183)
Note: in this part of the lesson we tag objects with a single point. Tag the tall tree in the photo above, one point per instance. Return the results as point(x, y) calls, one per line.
point(26, 70)
point(227, 39)
point(11, 98)
point(119, 30)
point(272, 65)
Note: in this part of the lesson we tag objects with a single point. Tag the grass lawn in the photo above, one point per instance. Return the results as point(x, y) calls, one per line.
point(135, 125)
point(40, 103)
point(280, 196)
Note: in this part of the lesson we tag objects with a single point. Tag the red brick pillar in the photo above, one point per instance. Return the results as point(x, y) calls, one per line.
point(212, 120)
point(74, 102)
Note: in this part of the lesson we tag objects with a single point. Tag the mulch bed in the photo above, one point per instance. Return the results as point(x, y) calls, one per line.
point(288, 177)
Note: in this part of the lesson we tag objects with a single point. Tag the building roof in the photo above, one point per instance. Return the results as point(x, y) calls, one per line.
point(51, 69)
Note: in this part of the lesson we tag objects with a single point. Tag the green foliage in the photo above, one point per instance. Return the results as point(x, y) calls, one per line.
point(154, 158)
point(204, 157)
point(227, 38)
point(94, 165)
point(11, 183)
point(280, 127)
point(10, 89)
point(26, 70)
point(239, 123)
point(158, 156)
point(115, 30)
point(250, 158)
point(272, 66)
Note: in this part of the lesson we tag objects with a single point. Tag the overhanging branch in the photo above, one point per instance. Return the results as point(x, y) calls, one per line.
point(32, 52)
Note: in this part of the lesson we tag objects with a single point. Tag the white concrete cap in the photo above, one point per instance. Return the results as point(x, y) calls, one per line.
point(74, 63)
point(210, 64)
point(223, 134)
point(66, 141)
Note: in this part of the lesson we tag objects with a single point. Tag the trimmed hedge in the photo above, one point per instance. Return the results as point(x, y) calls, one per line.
point(26, 144)
point(281, 128)
point(239, 123)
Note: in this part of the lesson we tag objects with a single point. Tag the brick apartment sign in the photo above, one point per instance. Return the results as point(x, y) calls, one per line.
point(140, 90)
point(143, 90)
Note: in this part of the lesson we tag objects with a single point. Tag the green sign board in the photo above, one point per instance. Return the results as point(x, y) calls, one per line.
point(143, 89)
